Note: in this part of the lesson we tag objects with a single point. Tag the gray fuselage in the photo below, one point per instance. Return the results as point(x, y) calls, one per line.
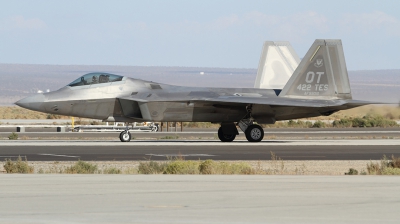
point(131, 100)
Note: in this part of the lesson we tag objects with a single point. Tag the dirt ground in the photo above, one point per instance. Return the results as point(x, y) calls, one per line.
point(277, 167)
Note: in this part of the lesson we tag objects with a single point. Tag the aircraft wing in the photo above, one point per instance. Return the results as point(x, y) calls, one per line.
point(276, 101)
point(240, 100)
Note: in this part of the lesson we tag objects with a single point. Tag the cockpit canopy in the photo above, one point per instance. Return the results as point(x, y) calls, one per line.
point(95, 78)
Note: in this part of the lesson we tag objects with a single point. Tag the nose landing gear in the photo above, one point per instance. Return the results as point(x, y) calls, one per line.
point(125, 136)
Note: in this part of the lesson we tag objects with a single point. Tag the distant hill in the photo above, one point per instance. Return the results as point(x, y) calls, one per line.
point(20, 80)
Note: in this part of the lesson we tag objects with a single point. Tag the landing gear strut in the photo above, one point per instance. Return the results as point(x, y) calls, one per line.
point(253, 132)
point(125, 136)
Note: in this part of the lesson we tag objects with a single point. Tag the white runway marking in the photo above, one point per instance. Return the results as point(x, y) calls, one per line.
point(178, 155)
point(302, 156)
point(188, 143)
point(58, 155)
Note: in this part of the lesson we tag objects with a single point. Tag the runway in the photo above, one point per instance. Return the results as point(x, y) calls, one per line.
point(57, 150)
point(189, 199)
point(211, 134)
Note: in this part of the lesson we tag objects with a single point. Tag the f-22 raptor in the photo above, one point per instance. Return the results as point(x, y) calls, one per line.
point(318, 86)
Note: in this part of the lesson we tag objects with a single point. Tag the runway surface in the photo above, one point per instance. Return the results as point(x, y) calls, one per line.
point(187, 199)
point(199, 133)
point(58, 150)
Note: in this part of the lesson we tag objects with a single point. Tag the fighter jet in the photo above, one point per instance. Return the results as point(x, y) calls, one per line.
point(318, 86)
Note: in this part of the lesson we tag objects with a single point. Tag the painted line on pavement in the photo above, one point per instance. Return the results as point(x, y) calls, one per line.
point(189, 143)
point(178, 155)
point(59, 155)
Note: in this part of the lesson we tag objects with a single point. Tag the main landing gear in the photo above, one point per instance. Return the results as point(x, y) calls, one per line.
point(228, 132)
point(125, 136)
point(254, 132)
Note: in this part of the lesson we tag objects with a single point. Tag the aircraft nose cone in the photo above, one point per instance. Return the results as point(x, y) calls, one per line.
point(34, 102)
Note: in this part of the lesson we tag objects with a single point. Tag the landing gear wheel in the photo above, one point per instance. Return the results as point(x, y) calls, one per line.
point(154, 128)
point(125, 136)
point(225, 137)
point(254, 133)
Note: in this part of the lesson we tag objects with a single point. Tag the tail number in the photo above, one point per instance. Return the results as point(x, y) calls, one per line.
point(310, 77)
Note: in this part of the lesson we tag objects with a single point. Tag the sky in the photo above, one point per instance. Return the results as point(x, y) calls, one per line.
point(207, 33)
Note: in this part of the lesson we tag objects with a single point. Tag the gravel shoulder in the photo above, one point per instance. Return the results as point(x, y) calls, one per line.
point(277, 167)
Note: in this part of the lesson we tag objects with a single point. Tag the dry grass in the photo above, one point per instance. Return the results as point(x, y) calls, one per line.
point(263, 167)
point(352, 171)
point(13, 136)
point(14, 112)
point(366, 121)
point(181, 166)
point(18, 166)
point(289, 124)
point(385, 166)
point(387, 111)
point(81, 167)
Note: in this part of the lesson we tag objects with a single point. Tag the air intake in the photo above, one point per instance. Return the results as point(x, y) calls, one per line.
point(155, 86)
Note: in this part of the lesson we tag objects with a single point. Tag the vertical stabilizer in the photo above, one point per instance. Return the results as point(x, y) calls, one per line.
point(322, 74)
point(277, 63)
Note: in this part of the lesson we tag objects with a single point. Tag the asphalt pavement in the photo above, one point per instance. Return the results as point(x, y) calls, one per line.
point(57, 150)
point(209, 133)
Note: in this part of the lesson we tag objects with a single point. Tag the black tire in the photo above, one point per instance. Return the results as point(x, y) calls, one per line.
point(224, 137)
point(254, 133)
point(154, 128)
point(125, 136)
